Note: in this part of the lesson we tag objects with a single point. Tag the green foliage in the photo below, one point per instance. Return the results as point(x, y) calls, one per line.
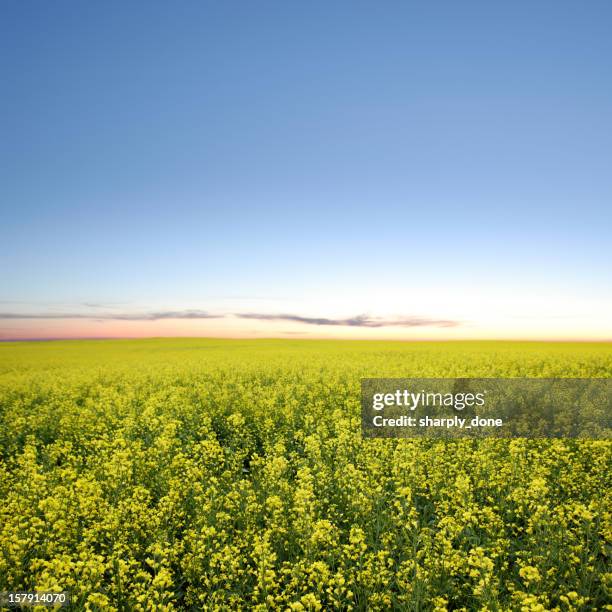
point(228, 474)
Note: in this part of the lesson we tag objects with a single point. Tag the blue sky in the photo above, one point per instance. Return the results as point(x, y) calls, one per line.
point(446, 161)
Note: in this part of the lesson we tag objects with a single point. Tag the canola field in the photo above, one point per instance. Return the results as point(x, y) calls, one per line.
point(201, 474)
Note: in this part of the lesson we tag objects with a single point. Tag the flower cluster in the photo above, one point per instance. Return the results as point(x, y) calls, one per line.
point(227, 475)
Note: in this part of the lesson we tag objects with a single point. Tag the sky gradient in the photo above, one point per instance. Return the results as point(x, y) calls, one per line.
point(349, 169)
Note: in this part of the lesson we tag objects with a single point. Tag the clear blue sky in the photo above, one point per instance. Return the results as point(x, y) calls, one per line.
point(303, 157)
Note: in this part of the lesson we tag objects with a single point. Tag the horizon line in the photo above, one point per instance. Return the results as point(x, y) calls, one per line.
point(319, 338)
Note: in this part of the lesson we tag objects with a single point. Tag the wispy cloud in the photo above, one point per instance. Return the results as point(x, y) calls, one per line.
point(103, 304)
point(146, 316)
point(357, 321)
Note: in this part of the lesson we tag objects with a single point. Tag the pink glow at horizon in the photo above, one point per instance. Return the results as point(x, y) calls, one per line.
point(25, 329)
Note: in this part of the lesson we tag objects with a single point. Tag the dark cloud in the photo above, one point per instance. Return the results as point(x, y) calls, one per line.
point(147, 316)
point(358, 321)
